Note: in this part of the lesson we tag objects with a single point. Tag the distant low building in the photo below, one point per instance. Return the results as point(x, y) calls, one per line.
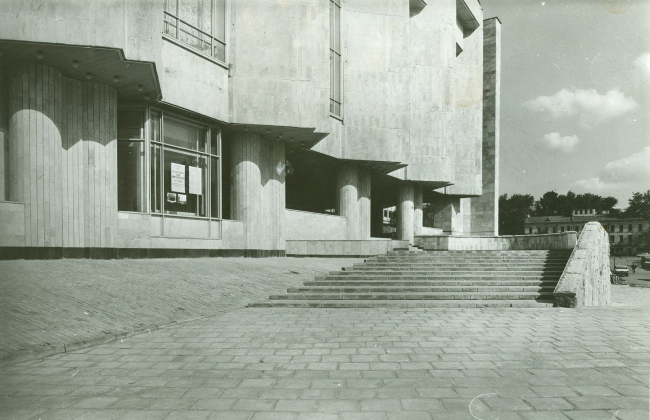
point(626, 236)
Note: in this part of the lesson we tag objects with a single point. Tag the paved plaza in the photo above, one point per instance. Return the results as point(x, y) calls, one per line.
point(329, 364)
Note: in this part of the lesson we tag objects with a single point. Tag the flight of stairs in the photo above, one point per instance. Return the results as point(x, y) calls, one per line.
point(435, 279)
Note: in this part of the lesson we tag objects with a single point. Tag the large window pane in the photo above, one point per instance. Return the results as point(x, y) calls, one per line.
point(129, 124)
point(200, 24)
point(154, 126)
point(180, 134)
point(214, 187)
point(186, 177)
point(130, 176)
point(156, 192)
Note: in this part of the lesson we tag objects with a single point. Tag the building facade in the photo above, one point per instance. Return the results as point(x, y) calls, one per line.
point(626, 236)
point(235, 126)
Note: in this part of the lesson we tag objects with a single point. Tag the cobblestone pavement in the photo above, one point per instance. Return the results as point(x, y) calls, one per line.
point(45, 305)
point(296, 364)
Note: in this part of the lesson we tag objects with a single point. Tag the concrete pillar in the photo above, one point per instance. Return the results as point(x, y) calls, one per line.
point(354, 200)
point(406, 212)
point(63, 155)
point(418, 214)
point(485, 209)
point(258, 190)
point(447, 214)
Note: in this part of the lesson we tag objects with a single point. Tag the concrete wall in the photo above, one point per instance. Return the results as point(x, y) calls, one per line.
point(565, 240)
point(192, 82)
point(302, 225)
point(63, 149)
point(432, 55)
point(485, 209)
point(139, 230)
point(585, 280)
point(468, 110)
point(133, 26)
point(343, 248)
point(279, 53)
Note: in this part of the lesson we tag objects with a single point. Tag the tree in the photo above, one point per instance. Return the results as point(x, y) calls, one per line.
point(554, 204)
point(638, 206)
point(513, 212)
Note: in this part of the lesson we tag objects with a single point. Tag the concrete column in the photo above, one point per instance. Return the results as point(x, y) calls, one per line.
point(63, 155)
point(258, 190)
point(354, 200)
point(4, 129)
point(418, 214)
point(485, 209)
point(447, 214)
point(406, 212)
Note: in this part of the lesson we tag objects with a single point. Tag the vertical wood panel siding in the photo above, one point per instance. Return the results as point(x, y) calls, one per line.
point(258, 190)
point(63, 149)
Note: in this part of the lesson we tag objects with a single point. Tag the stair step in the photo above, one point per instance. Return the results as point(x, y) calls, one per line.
point(434, 283)
point(404, 304)
point(434, 279)
point(417, 289)
point(415, 296)
point(435, 276)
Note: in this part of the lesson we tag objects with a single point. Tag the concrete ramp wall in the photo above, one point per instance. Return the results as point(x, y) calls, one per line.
point(343, 248)
point(585, 280)
point(566, 240)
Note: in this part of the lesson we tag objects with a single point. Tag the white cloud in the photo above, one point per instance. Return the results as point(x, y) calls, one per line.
point(620, 177)
point(589, 105)
point(556, 142)
point(642, 63)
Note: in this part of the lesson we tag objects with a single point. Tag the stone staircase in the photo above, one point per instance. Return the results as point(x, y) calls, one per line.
point(435, 279)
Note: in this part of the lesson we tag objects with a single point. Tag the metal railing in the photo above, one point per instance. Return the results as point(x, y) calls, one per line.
point(194, 37)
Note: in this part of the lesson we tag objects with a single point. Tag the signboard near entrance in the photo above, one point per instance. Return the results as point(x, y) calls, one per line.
point(178, 178)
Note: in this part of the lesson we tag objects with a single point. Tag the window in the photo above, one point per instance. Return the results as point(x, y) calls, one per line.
point(184, 168)
point(612, 228)
point(611, 238)
point(335, 57)
point(530, 230)
point(199, 24)
point(554, 229)
point(640, 228)
point(130, 160)
point(576, 228)
point(629, 228)
point(561, 228)
point(620, 238)
point(620, 228)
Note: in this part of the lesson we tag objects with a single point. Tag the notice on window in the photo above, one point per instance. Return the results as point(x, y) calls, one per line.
point(182, 199)
point(178, 178)
point(196, 175)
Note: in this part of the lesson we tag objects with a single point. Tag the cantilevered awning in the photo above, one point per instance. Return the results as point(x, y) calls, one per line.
point(133, 80)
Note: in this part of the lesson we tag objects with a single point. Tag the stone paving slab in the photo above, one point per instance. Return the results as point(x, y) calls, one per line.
point(340, 364)
point(53, 306)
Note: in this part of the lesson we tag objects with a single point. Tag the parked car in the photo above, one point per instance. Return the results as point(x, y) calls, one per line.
point(621, 271)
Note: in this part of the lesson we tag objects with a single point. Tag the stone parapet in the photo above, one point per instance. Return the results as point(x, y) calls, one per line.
point(585, 280)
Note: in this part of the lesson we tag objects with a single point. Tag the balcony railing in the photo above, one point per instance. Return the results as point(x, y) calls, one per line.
point(195, 38)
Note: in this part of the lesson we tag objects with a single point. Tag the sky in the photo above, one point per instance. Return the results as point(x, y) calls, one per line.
point(575, 96)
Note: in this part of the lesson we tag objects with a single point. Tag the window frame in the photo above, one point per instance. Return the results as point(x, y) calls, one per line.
point(213, 38)
point(339, 53)
point(212, 133)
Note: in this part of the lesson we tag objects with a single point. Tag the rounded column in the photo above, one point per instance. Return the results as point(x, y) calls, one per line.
point(354, 200)
point(418, 213)
point(405, 212)
point(258, 190)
